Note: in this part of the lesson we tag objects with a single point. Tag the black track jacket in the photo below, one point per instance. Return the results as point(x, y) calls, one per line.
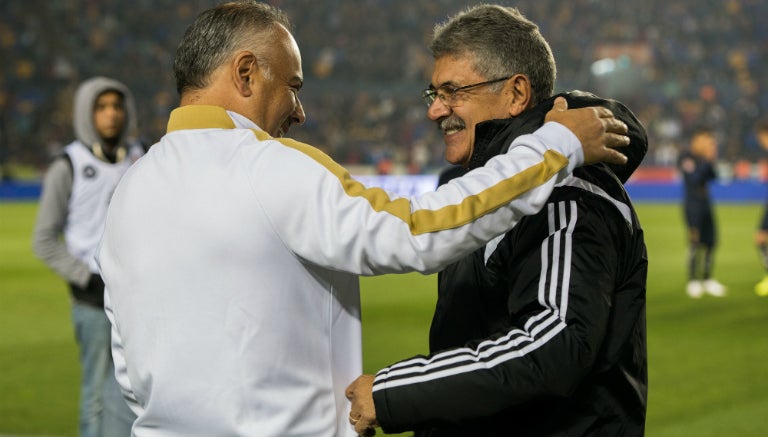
point(542, 332)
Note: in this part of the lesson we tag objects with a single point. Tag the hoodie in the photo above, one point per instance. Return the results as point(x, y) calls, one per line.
point(85, 98)
point(67, 200)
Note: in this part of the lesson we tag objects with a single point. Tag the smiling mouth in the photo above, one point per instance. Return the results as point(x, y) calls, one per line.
point(450, 126)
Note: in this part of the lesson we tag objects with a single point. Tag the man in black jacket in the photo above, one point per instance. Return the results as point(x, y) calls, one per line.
point(542, 332)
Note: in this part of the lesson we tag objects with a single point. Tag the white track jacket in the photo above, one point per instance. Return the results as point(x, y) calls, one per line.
point(231, 261)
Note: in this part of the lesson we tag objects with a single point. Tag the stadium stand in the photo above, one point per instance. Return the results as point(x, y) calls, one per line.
point(675, 62)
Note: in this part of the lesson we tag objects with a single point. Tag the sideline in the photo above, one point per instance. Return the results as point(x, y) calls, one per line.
point(31, 435)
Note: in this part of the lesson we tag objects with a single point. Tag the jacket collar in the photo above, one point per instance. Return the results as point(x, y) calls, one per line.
point(206, 117)
point(494, 137)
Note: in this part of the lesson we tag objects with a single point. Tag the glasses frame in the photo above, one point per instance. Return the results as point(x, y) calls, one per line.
point(449, 93)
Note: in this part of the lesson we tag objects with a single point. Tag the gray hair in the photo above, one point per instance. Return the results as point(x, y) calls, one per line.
point(220, 31)
point(501, 42)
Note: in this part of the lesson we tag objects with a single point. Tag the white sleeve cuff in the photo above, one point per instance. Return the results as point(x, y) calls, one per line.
point(559, 138)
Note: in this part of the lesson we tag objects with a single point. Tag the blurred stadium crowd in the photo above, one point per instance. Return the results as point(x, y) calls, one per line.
point(676, 63)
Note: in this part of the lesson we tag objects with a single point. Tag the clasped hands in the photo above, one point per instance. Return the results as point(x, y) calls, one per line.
point(362, 414)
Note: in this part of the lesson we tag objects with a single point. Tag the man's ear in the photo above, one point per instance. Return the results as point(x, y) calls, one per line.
point(245, 66)
point(521, 94)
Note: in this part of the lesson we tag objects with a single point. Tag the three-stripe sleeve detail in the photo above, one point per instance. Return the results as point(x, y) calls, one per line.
point(553, 290)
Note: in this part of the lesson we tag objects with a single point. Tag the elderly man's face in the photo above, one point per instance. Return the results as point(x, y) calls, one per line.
point(458, 114)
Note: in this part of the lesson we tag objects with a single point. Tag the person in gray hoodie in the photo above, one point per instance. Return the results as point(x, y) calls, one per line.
point(75, 194)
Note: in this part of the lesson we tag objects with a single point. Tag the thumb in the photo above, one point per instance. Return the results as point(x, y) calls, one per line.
point(560, 104)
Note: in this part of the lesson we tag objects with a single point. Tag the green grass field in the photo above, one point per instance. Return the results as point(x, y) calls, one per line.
point(708, 358)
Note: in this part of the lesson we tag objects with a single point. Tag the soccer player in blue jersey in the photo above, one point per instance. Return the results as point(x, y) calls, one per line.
point(697, 168)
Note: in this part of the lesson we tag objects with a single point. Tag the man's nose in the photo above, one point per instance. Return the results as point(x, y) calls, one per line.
point(438, 109)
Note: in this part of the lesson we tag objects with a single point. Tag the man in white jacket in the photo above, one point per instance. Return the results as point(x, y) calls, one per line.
point(231, 255)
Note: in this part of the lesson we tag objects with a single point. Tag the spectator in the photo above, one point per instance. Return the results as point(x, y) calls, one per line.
point(76, 191)
point(50, 45)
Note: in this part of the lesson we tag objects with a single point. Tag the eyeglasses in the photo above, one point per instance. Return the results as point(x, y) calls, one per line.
point(447, 93)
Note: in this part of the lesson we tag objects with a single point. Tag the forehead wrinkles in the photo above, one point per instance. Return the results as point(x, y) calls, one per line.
point(454, 71)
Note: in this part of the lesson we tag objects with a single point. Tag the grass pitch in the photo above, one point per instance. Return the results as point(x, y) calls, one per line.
point(707, 357)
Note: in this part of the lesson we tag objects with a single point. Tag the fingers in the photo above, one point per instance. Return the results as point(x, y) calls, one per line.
point(362, 415)
point(614, 157)
point(559, 110)
point(598, 130)
point(363, 426)
point(607, 152)
point(363, 430)
point(615, 139)
point(560, 104)
point(614, 136)
point(614, 125)
point(603, 112)
point(368, 432)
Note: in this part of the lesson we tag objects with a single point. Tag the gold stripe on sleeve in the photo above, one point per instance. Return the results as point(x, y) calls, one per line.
point(448, 217)
point(421, 221)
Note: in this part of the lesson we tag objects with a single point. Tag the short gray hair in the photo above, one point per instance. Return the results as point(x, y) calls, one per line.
point(501, 42)
point(217, 33)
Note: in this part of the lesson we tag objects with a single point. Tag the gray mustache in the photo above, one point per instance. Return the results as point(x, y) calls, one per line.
point(452, 123)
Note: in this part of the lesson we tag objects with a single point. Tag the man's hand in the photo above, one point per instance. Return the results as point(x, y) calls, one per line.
point(597, 129)
point(362, 415)
point(761, 237)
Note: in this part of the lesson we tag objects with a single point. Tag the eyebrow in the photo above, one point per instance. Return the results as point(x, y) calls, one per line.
point(449, 84)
